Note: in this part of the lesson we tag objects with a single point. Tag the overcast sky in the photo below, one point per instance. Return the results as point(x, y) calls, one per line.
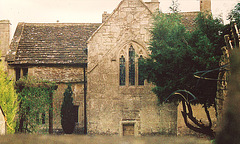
point(86, 11)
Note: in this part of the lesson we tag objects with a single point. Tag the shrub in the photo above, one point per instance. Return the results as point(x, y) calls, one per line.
point(67, 119)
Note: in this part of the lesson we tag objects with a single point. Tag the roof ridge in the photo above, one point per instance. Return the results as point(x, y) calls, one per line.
point(55, 24)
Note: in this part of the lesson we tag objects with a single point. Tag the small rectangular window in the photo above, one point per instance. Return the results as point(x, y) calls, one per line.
point(37, 117)
point(75, 113)
point(43, 118)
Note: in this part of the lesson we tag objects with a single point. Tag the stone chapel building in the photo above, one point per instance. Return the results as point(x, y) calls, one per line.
point(101, 62)
point(119, 101)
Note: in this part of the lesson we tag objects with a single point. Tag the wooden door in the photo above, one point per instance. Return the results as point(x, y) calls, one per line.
point(128, 130)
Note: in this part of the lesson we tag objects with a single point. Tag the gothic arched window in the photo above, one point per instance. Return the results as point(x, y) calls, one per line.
point(131, 66)
point(140, 72)
point(122, 71)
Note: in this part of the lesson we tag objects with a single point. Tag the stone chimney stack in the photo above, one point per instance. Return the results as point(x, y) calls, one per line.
point(205, 5)
point(105, 16)
point(153, 5)
point(4, 37)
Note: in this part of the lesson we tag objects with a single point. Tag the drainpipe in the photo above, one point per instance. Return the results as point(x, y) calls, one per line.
point(50, 130)
point(85, 101)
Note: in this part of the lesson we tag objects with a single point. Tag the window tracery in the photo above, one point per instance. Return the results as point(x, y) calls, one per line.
point(130, 72)
point(140, 72)
point(131, 66)
point(122, 71)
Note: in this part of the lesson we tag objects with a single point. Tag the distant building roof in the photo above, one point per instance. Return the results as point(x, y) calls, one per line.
point(50, 43)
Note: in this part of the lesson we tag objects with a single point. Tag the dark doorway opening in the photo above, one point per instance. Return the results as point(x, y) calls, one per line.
point(128, 129)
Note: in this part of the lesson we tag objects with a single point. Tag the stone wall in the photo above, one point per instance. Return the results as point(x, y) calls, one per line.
point(109, 105)
point(223, 76)
point(58, 74)
point(78, 95)
point(105, 16)
point(205, 5)
point(199, 113)
point(153, 5)
point(4, 38)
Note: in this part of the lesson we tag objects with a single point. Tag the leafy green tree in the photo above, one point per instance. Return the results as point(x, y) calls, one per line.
point(176, 54)
point(234, 15)
point(8, 99)
point(67, 118)
point(174, 7)
point(213, 28)
point(35, 101)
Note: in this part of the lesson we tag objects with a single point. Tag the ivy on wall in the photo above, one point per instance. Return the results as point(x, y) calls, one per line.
point(35, 103)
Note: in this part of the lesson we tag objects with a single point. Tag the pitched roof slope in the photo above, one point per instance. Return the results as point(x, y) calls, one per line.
point(50, 43)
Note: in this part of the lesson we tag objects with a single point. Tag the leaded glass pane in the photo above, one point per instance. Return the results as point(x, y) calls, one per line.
point(122, 71)
point(140, 72)
point(131, 66)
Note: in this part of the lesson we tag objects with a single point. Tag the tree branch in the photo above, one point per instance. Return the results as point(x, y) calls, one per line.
point(201, 127)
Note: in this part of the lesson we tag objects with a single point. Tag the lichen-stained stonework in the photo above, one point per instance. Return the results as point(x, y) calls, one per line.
point(109, 105)
point(65, 74)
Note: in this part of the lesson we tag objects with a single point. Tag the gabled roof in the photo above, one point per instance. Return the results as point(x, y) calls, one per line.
point(114, 11)
point(50, 43)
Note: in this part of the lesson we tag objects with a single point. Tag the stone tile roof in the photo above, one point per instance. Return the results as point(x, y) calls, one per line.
point(50, 43)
